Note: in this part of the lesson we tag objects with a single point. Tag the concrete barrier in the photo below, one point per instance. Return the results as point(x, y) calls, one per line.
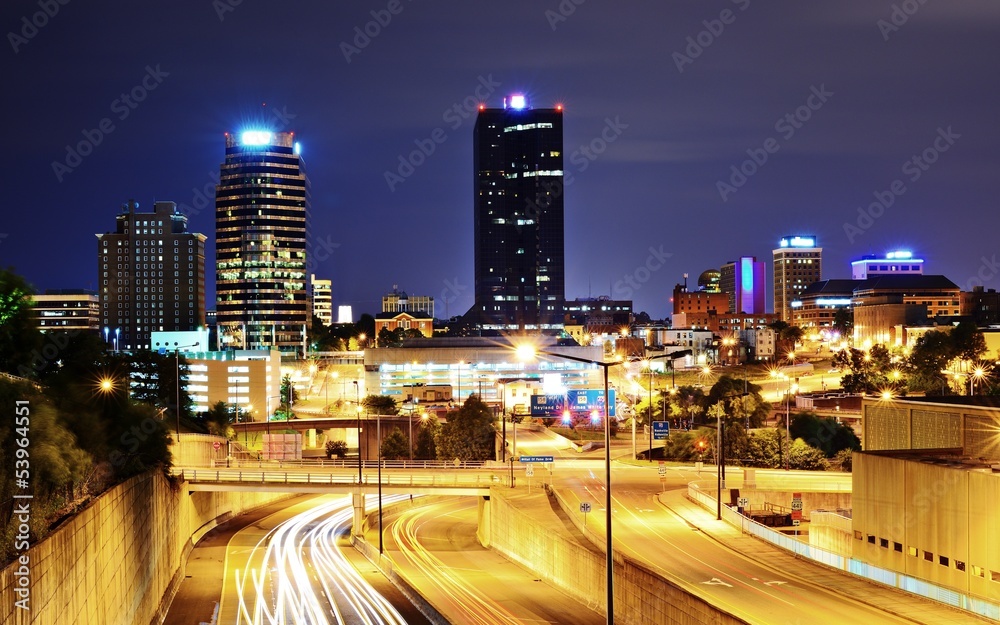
point(119, 561)
point(580, 569)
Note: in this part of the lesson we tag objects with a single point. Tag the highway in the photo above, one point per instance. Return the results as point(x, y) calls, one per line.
point(435, 548)
point(649, 533)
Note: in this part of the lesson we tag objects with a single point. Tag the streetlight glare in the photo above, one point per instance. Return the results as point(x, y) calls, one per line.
point(526, 351)
point(107, 384)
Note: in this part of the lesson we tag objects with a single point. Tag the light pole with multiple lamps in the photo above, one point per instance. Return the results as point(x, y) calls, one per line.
point(528, 352)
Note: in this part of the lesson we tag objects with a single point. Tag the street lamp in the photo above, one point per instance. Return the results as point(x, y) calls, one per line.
point(528, 352)
point(177, 361)
point(357, 394)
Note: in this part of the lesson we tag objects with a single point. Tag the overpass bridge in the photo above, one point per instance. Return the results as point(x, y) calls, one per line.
point(445, 479)
point(301, 479)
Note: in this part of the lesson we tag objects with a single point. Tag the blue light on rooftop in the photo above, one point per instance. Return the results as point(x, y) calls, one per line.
point(255, 137)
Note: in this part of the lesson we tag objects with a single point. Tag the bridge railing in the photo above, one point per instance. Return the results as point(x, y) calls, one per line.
point(347, 463)
point(272, 476)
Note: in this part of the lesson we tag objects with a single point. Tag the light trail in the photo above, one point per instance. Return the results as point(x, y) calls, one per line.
point(473, 606)
point(301, 556)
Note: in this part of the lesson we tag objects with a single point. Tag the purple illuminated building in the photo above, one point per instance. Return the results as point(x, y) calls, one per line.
point(744, 281)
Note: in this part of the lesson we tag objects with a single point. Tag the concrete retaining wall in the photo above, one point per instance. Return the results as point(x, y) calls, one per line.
point(119, 561)
point(641, 596)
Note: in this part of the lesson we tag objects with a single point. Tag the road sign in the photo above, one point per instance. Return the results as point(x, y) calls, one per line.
point(662, 469)
point(661, 430)
point(796, 515)
point(584, 507)
point(216, 445)
point(529, 470)
point(536, 459)
point(797, 504)
point(742, 502)
point(795, 521)
point(575, 400)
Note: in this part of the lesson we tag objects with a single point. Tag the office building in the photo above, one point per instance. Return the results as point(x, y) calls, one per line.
point(743, 281)
point(815, 308)
point(900, 262)
point(885, 304)
point(260, 242)
point(398, 301)
point(152, 275)
point(518, 217)
point(798, 262)
point(322, 300)
point(66, 310)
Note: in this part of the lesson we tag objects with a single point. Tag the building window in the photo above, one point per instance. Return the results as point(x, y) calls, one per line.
point(943, 561)
point(871, 539)
point(928, 556)
point(897, 547)
point(883, 542)
point(912, 551)
point(959, 565)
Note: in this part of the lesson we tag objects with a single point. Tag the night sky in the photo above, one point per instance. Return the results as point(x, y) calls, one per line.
point(655, 122)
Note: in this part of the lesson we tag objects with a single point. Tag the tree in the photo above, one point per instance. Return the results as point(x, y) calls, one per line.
point(380, 404)
point(21, 350)
point(395, 445)
point(843, 321)
point(867, 371)
point(931, 354)
point(428, 431)
point(845, 458)
point(823, 433)
point(336, 448)
point(805, 457)
point(764, 448)
point(218, 419)
point(740, 404)
point(968, 341)
point(469, 433)
point(687, 403)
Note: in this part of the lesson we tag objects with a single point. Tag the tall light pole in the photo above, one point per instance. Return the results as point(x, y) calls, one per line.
point(528, 352)
point(177, 368)
point(378, 436)
point(357, 394)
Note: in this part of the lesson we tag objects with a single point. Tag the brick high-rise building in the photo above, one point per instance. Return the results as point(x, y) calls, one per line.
point(151, 275)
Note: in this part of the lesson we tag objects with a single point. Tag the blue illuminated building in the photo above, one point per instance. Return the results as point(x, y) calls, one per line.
point(260, 242)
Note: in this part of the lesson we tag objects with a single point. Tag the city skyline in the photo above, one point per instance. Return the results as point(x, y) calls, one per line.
point(694, 133)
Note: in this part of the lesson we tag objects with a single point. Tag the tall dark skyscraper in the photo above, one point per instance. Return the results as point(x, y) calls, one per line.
point(260, 243)
point(519, 257)
point(152, 275)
